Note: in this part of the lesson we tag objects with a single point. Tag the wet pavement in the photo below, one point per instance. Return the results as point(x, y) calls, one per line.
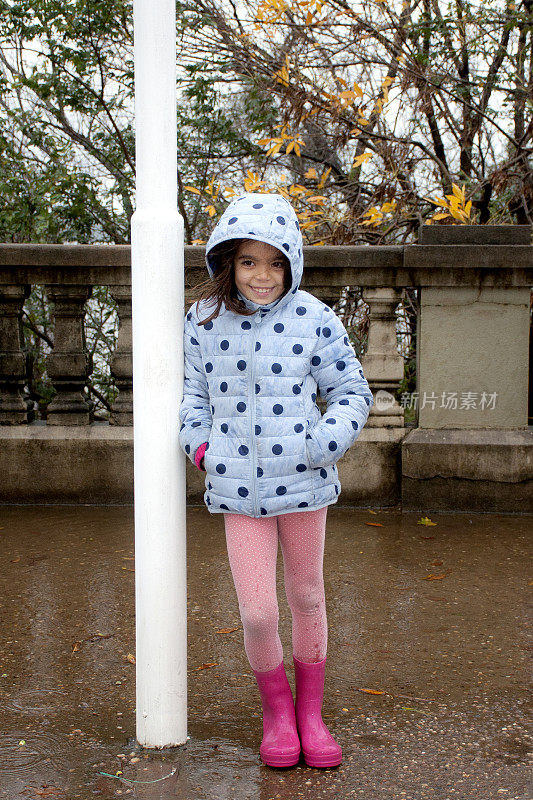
point(427, 679)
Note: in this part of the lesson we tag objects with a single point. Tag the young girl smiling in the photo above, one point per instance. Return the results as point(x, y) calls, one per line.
point(257, 351)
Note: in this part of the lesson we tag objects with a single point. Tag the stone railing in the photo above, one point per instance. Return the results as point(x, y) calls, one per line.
point(473, 328)
point(452, 276)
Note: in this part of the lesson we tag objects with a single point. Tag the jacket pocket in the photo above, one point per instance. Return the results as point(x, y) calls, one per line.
point(315, 455)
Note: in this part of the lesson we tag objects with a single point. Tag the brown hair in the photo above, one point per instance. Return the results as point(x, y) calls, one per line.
point(221, 288)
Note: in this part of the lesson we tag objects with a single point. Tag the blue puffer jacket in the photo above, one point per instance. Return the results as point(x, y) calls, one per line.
point(251, 384)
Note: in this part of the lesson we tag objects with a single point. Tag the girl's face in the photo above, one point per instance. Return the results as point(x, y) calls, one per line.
point(259, 271)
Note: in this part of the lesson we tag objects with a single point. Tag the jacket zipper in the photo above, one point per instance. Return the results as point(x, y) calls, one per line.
point(252, 422)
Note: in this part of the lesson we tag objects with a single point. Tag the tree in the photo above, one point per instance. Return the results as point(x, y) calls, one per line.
point(383, 104)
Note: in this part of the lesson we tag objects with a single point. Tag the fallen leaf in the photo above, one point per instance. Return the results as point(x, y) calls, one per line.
point(426, 537)
point(205, 666)
point(425, 521)
point(371, 691)
point(131, 658)
point(227, 630)
point(14, 560)
point(76, 647)
point(436, 563)
point(431, 577)
point(375, 524)
point(371, 512)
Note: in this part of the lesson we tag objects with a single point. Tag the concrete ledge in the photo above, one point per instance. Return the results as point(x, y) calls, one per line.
point(468, 470)
point(425, 470)
point(94, 464)
point(60, 464)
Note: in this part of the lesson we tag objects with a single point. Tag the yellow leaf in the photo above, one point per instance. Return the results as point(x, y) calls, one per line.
point(362, 121)
point(206, 666)
point(192, 189)
point(131, 658)
point(370, 691)
point(227, 630)
point(309, 18)
point(459, 193)
point(441, 215)
point(324, 178)
point(274, 149)
point(317, 200)
point(361, 159)
point(357, 89)
point(425, 521)
point(211, 210)
point(375, 524)
point(311, 173)
point(468, 208)
point(431, 577)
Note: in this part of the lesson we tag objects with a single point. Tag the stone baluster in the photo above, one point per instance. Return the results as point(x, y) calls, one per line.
point(13, 408)
point(68, 365)
point(382, 364)
point(122, 360)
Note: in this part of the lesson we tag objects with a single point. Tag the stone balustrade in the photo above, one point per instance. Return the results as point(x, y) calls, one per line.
point(473, 286)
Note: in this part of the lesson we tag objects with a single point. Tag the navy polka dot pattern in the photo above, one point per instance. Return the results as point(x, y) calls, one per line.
point(252, 383)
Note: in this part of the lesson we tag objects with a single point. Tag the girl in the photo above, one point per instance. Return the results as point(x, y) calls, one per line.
point(257, 349)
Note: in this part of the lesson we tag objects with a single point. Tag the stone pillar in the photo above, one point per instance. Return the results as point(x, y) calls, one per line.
point(473, 341)
point(121, 362)
point(68, 365)
point(382, 363)
point(13, 408)
point(472, 449)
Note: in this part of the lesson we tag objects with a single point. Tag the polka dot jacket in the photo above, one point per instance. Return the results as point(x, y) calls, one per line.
point(251, 384)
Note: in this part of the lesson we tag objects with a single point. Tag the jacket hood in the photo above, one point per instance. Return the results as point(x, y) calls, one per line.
point(266, 218)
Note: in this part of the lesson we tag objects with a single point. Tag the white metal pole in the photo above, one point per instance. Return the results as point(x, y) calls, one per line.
point(157, 316)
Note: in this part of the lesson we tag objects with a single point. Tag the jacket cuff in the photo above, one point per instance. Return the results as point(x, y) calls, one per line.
point(199, 455)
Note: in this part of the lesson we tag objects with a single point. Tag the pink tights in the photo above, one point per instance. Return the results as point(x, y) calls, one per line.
point(252, 550)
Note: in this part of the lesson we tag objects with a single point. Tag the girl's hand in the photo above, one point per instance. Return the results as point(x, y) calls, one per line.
point(199, 457)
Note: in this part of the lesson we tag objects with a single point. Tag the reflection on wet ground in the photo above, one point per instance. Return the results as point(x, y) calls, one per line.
point(427, 663)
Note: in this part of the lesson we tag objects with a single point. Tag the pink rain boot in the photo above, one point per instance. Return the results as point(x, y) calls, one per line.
point(318, 745)
point(280, 746)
